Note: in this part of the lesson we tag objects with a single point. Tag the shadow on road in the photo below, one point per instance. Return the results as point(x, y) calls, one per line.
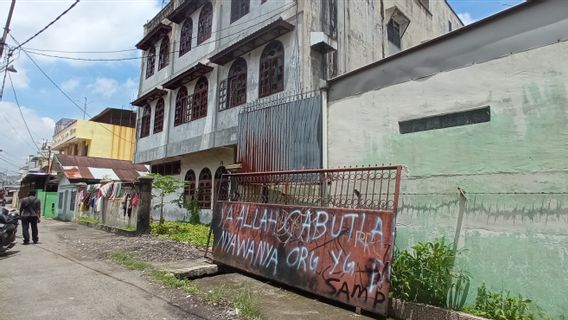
point(8, 254)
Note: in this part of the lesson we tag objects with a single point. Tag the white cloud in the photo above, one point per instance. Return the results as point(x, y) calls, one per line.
point(466, 18)
point(131, 88)
point(19, 78)
point(17, 142)
point(104, 86)
point(95, 25)
point(70, 84)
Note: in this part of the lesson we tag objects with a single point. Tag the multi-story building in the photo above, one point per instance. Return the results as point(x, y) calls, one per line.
point(110, 135)
point(214, 71)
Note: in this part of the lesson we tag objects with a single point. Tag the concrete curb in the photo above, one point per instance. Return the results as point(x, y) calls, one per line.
point(108, 228)
point(403, 310)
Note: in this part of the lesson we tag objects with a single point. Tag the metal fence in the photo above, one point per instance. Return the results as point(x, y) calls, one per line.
point(359, 187)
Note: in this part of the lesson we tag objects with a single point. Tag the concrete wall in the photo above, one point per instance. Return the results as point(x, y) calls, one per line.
point(513, 168)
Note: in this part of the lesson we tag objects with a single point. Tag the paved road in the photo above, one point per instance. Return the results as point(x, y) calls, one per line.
point(50, 281)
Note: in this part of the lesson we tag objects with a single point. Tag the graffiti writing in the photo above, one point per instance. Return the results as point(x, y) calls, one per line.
point(343, 254)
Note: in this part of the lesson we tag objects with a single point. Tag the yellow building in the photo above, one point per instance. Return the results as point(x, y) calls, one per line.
point(110, 134)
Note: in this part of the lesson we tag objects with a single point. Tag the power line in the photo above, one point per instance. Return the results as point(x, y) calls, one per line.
point(65, 94)
point(10, 163)
point(21, 113)
point(48, 25)
point(232, 26)
point(34, 52)
point(16, 131)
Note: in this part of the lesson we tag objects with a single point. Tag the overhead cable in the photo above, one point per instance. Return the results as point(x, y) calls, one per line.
point(21, 113)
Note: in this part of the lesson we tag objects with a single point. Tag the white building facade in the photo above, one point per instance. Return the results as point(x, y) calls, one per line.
point(206, 61)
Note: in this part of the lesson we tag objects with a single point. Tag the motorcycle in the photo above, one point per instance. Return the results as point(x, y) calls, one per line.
point(8, 229)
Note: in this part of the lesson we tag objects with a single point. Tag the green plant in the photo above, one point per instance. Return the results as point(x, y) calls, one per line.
point(169, 280)
point(164, 185)
point(192, 208)
point(247, 305)
point(87, 219)
point(128, 228)
point(128, 260)
point(502, 306)
point(426, 275)
point(194, 234)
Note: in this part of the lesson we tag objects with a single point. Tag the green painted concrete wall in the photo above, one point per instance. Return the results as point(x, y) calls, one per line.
point(48, 203)
point(514, 168)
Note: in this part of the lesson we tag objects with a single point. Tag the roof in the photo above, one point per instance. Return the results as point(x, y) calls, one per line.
point(188, 75)
point(152, 36)
point(256, 39)
point(529, 25)
point(148, 96)
point(79, 168)
point(185, 9)
point(115, 116)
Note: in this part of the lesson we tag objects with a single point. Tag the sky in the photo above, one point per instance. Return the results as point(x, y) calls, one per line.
point(90, 30)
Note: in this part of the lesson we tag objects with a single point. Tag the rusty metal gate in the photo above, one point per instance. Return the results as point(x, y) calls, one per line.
point(329, 232)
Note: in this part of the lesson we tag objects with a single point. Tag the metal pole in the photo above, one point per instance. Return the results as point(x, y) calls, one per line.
point(7, 28)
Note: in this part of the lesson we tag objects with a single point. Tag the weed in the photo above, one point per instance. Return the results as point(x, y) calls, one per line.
point(214, 295)
point(503, 306)
point(87, 219)
point(128, 228)
point(128, 260)
point(194, 234)
point(169, 280)
point(247, 305)
point(426, 275)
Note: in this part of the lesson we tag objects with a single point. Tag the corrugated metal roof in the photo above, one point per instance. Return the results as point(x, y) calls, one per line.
point(91, 168)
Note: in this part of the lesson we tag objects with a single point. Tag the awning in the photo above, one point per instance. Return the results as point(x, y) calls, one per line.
point(153, 36)
point(185, 9)
point(188, 75)
point(79, 168)
point(148, 96)
point(252, 41)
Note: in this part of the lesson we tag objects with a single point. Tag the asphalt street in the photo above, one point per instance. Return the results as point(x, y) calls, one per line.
point(49, 281)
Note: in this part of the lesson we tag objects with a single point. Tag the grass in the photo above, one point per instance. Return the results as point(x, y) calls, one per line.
point(127, 228)
point(194, 234)
point(87, 219)
point(242, 300)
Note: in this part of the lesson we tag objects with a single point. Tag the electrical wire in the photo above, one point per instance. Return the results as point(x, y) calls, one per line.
point(65, 94)
point(10, 163)
point(31, 51)
point(16, 131)
point(232, 26)
point(48, 25)
point(21, 113)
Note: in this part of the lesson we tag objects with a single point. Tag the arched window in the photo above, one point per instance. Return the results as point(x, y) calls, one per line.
point(271, 78)
point(199, 106)
point(164, 53)
point(150, 61)
point(238, 83)
point(185, 37)
point(189, 189)
point(205, 23)
point(181, 107)
point(145, 121)
point(159, 116)
point(221, 184)
point(204, 189)
point(238, 9)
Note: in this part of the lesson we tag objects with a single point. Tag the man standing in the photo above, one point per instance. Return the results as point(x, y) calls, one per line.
point(30, 211)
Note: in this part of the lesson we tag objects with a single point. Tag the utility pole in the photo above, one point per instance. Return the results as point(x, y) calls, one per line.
point(7, 28)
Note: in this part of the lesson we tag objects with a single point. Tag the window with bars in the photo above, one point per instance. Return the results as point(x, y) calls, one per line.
point(271, 69)
point(199, 107)
point(164, 58)
point(150, 61)
point(239, 8)
point(393, 32)
point(185, 37)
point(221, 185)
point(190, 187)
point(159, 116)
point(222, 88)
point(145, 124)
point(205, 23)
point(181, 107)
point(204, 189)
point(237, 83)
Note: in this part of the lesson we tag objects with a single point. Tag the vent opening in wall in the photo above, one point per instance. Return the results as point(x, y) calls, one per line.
point(455, 119)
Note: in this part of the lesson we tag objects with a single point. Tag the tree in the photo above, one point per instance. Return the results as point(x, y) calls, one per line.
point(164, 185)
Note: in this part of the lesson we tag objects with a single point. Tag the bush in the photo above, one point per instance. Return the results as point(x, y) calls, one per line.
point(426, 275)
point(502, 306)
point(194, 234)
